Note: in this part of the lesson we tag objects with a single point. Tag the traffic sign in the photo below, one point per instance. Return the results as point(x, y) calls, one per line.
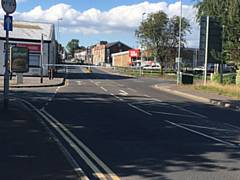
point(8, 23)
point(178, 60)
point(9, 6)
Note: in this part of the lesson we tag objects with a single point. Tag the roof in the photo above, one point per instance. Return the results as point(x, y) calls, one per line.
point(115, 43)
point(29, 30)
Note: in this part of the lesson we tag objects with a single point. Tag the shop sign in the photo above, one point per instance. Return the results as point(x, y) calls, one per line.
point(134, 53)
point(19, 59)
point(31, 47)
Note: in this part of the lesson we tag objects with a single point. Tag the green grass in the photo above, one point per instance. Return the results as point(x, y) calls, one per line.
point(226, 90)
point(146, 73)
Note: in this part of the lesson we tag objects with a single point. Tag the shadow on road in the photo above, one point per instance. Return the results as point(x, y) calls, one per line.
point(139, 146)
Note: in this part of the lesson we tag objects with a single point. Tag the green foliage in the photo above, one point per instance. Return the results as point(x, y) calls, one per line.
point(228, 13)
point(227, 78)
point(160, 34)
point(72, 46)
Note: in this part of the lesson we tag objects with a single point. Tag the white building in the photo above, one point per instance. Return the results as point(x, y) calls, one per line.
point(28, 34)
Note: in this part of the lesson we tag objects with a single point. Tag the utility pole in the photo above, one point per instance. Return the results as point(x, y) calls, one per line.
point(206, 53)
point(41, 59)
point(179, 81)
point(222, 55)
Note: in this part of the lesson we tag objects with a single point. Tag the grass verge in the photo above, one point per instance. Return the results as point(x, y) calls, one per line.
point(226, 90)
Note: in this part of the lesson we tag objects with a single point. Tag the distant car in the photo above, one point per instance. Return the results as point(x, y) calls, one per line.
point(152, 67)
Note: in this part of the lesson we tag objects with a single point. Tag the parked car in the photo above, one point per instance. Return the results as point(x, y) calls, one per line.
point(152, 67)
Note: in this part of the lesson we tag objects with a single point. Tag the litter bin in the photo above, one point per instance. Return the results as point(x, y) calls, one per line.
point(187, 78)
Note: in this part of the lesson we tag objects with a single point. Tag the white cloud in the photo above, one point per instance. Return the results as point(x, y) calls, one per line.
point(118, 19)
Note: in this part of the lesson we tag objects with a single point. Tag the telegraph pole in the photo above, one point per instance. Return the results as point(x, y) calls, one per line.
point(179, 81)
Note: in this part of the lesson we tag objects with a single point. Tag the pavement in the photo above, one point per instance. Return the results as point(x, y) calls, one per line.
point(34, 82)
point(189, 92)
point(27, 150)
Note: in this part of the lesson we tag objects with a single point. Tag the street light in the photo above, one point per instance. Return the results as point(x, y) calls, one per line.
point(58, 33)
point(179, 47)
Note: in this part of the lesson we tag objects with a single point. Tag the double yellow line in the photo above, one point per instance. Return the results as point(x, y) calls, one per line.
point(80, 148)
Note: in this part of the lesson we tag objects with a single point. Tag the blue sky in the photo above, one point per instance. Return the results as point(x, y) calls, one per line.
point(91, 21)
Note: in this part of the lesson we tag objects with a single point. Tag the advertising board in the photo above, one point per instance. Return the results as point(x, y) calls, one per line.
point(19, 60)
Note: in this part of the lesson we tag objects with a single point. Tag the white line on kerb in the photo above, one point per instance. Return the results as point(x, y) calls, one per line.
point(139, 109)
point(200, 133)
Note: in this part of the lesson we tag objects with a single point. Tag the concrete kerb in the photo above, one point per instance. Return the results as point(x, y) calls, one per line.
point(197, 98)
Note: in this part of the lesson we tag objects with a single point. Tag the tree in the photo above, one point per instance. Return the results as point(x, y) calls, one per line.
point(228, 14)
point(160, 34)
point(72, 46)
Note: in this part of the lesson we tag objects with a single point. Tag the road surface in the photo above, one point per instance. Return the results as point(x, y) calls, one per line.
point(117, 127)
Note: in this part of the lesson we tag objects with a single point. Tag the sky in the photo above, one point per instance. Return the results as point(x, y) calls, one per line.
point(92, 21)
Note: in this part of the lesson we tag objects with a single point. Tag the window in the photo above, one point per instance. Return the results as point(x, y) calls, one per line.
point(34, 60)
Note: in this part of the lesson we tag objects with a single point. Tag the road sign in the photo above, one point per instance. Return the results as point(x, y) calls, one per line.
point(8, 23)
point(19, 59)
point(9, 6)
point(178, 60)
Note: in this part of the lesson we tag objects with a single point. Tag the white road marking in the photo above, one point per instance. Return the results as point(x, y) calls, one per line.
point(139, 109)
point(104, 89)
point(201, 134)
point(233, 126)
point(120, 99)
point(208, 128)
point(132, 90)
point(189, 111)
point(174, 114)
point(79, 83)
point(123, 93)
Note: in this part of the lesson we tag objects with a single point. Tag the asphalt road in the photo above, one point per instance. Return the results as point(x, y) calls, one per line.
point(120, 128)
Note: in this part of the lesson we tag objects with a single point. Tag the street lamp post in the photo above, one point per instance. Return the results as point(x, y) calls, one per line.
point(58, 33)
point(179, 47)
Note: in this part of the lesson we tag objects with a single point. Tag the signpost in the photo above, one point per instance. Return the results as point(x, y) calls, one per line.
point(9, 6)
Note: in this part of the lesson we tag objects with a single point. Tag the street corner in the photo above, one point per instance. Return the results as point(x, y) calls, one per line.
point(175, 90)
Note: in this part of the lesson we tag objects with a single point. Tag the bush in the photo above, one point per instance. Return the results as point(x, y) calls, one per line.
point(227, 78)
